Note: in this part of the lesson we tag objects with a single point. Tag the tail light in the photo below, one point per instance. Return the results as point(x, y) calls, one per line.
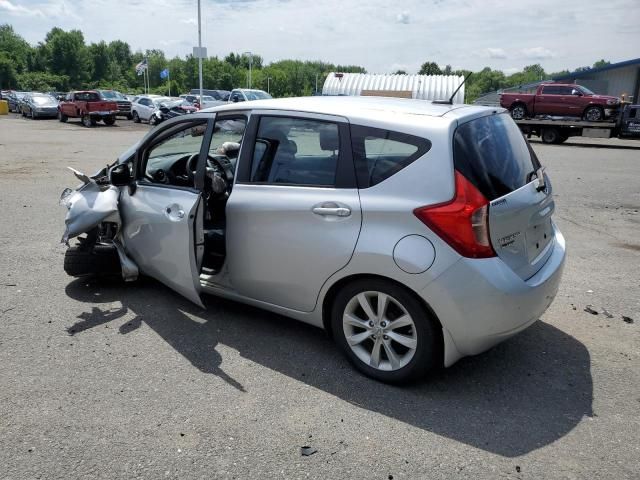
point(462, 222)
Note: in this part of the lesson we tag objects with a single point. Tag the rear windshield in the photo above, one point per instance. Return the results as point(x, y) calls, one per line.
point(492, 153)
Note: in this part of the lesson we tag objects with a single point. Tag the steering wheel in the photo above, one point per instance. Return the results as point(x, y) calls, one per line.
point(217, 166)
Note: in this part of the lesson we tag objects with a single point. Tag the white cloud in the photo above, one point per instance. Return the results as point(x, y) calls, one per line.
point(190, 21)
point(19, 9)
point(537, 53)
point(496, 53)
point(403, 17)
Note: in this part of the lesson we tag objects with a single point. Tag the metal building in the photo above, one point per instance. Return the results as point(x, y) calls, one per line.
point(425, 87)
point(620, 79)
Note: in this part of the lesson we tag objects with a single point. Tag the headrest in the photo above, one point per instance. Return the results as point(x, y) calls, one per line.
point(329, 139)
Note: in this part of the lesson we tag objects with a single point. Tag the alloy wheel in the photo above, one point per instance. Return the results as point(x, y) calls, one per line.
point(379, 330)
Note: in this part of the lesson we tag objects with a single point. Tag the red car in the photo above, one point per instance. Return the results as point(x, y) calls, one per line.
point(89, 107)
point(562, 99)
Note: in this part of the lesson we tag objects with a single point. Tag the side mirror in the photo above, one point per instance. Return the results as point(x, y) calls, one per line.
point(576, 92)
point(120, 176)
point(234, 99)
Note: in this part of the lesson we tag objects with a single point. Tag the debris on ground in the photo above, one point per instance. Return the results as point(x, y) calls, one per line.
point(589, 291)
point(606, 313)
point(518, 469)
point(307, 451)
point(590, 310)
point(627, 319)
point(574, 307)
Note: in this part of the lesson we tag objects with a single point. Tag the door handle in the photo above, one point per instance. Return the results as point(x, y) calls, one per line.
point(334, 211)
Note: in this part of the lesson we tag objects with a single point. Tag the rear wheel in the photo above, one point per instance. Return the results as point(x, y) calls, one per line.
point(109, 120)
point(385, 331)
point(593, 114)
point(136, 117)
point(518, 111)
point(87, 122)
point(550, 135)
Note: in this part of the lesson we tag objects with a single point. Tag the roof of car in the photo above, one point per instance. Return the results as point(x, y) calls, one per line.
point(349, 106)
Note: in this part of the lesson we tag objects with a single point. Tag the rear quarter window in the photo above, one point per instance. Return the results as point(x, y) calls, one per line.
point(493, 155)
point(379, 154)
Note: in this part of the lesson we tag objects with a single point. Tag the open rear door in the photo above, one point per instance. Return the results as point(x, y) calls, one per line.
point(158, 218)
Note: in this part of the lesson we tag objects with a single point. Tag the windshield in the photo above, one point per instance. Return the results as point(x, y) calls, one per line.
point(44, 100)
point(207, 98)
point(493, 155)
point(110, 94)
point(158, 101)
point(585, 90)
point(257, 95)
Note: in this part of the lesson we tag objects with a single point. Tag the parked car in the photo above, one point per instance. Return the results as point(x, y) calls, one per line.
point(561, 99)
point(222, 95)
point(36, 105)
point(89, 106)
point(14, 99)
point(144, 105)
point(170, 109)
point(245, 95)
point(124, 104)
point(415, 238)
point(206, 102)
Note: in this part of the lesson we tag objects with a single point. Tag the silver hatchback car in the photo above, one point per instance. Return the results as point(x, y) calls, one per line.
point(415, 233)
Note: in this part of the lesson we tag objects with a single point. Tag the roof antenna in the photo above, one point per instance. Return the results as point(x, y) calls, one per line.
point(450, 101)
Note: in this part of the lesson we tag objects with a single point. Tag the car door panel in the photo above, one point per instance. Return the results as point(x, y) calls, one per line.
point(284, 240)
point(159, 220)
point(158, 226)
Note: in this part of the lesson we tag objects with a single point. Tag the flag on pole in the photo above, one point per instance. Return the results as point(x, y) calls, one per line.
point(164, 73)
point(141, 67)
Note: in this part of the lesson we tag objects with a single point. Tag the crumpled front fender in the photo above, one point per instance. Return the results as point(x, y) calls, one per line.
point(87, 207)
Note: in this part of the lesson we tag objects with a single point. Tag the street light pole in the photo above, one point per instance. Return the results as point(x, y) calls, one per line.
point(269, 85)
point(200, 51)
point(250, 63)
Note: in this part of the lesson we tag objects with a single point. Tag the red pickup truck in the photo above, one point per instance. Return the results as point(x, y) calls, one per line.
point(89, 107)
point(561, 99)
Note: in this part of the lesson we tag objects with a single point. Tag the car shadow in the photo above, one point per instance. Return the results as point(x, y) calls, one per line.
point(520, 396)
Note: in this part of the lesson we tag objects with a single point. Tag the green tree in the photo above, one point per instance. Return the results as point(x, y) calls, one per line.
point(430, 68)
point(601, 63)
point(69, 56)
point(14, 47)
point(100, 60)
point(8, 75)
point(400, 72)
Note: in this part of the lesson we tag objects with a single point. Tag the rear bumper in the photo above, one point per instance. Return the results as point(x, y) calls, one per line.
point(481, 302)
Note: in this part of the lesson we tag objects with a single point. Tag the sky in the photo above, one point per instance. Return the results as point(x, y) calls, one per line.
point(380, 35)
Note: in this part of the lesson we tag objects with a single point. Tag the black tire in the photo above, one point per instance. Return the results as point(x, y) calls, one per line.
point(518, 111)
point(87, 121)
point(152, 120)
point(129, 116)
point(62, 117)
point(100, 260)
point(109, 120)
point(594, 114)
point(550, 135)
point(136, 117)
point(428, 352)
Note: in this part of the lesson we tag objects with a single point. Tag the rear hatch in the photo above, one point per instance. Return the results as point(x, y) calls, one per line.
point(493, 155)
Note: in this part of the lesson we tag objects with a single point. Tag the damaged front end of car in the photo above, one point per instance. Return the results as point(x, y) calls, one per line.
point(92, 209)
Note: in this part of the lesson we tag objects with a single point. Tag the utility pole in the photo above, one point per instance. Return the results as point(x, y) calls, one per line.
point(250, 64)
point(269, 85)
point(200, 51)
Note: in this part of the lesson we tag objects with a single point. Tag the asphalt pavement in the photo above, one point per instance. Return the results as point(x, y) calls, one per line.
point(107, 380)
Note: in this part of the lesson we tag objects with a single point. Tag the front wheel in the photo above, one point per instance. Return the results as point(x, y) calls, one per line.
point(136, 117)
point(593, 114)
point(99, 260)
point(385, 331)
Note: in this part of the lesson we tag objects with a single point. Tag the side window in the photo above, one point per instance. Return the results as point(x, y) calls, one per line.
point(378, 154)
point(551, 90)
point(166, 161)
point(564, 90)
point(227, 136)
point(237, 97)
point(296, 151)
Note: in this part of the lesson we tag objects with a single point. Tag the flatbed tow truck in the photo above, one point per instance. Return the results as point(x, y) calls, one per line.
point(626, 125)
